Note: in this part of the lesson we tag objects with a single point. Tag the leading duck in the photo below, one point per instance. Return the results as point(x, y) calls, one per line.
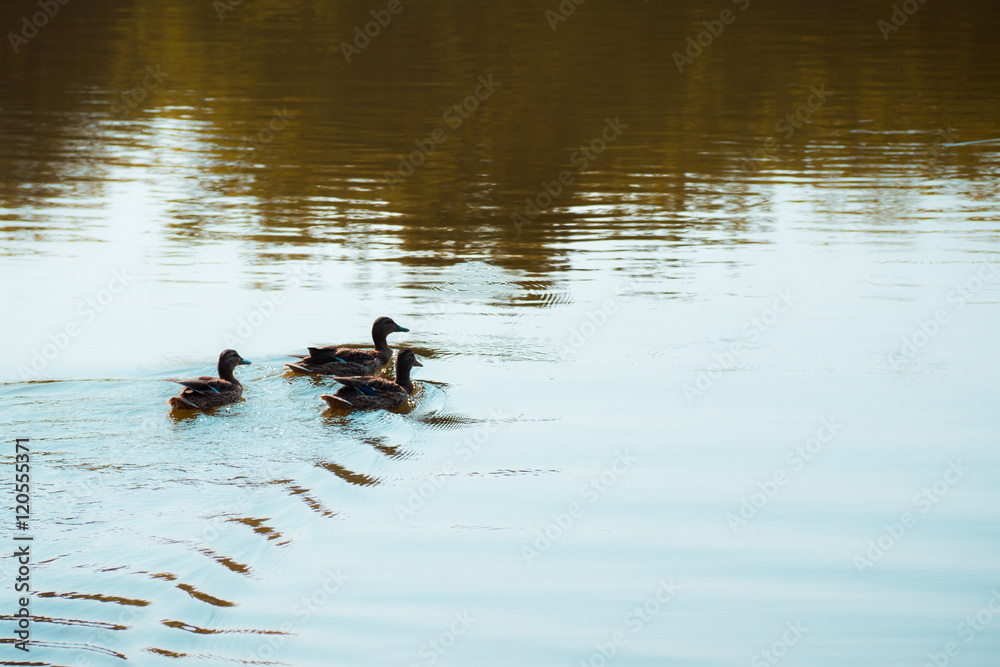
point(207, 392)
point(348, 361)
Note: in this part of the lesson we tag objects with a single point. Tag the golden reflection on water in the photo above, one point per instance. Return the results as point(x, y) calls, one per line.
point(317, 175)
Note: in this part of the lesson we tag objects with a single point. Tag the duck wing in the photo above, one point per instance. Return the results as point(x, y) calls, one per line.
point(370, 386)
point(204, 384)
point(321, 355)
point(319, 349)
point(301, 369)
point(330, 354)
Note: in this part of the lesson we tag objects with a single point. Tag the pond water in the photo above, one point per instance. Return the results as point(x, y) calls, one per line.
point(707, 328)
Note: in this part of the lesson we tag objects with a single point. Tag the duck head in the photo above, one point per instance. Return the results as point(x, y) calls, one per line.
point(384, 326)
point(407, 359)
point(231, 359)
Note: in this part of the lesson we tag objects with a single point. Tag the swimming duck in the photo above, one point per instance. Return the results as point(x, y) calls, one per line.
point(207, 392)
point(375, 392)
point(347, 361)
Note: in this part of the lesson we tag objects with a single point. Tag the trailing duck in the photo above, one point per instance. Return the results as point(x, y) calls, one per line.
point(368, 393)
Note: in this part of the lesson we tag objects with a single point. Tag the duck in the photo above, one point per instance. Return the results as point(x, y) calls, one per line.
point(206, 392)
point(372, 392)
point(347, 361)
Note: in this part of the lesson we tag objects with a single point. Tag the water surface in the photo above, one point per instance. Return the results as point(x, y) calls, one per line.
point(672, 418)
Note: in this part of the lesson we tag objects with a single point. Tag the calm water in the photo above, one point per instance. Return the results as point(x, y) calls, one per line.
point(727, 397)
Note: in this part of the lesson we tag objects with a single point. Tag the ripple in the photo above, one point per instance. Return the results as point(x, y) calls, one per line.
point(205, 597)
point(227, 562)
point(348, 476)
point(35, 644)
point(188, 627)
point(303, 494)
point(97, 597)
point(258, 526)
point(69, 621)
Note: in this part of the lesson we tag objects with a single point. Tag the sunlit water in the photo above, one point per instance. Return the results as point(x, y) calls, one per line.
point(698, 409)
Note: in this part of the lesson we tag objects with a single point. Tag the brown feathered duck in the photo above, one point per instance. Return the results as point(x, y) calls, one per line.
point(206, 392)
point(368, 393)
point(348, 361)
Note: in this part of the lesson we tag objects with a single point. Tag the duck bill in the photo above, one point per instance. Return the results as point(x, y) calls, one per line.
point(399, 328)
point(417, 363)
point(243, 361)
